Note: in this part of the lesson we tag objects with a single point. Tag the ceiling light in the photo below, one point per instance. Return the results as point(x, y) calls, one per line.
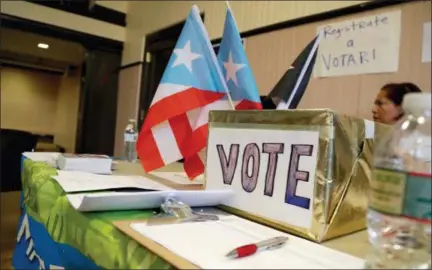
point(43, 46)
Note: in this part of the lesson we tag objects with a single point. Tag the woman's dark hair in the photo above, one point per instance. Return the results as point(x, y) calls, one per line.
point(396, 91)
point(267, 103)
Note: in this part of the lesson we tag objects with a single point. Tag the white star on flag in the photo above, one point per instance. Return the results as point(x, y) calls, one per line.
point(232, 68)
point(185, 56)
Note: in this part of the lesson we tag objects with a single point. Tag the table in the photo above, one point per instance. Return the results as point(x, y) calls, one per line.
point(53, 235)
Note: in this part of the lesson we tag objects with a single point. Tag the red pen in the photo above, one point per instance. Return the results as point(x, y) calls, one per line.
point(251, 249)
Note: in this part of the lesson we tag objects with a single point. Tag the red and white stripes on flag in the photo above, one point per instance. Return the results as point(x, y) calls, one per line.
point(166, 135)
point(199, 136)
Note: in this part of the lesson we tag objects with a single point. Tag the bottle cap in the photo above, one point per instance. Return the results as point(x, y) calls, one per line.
point(417, 103)
point(132, 120)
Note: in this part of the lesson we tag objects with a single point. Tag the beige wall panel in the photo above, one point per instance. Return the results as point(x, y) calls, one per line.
point(28, 100)
point(354, 94)
point(145, 17)
point(261, 51)
point(133, 50)
point(419, 73)
point(127, 103)
point(66, 117)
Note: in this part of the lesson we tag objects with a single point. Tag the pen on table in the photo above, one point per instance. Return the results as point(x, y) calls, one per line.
point(251, 249)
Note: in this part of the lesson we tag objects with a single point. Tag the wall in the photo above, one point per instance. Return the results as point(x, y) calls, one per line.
point(144, 17)
point(66, 116)
point(351, 94)
point(63, 19)
point(28, 100)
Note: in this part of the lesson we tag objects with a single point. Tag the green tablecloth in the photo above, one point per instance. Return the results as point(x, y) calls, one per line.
point(93, 234)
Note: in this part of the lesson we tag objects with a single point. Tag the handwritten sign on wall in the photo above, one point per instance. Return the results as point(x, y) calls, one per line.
point(360, 46)
point(272, 172)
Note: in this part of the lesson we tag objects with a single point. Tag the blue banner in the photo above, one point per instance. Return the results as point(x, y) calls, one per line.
point(35, 249)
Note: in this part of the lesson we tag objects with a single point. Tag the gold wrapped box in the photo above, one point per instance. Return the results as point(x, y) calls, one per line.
point(317, 152)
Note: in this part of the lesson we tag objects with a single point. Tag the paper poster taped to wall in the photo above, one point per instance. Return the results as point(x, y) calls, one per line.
point(426, 50)
point(360, 46)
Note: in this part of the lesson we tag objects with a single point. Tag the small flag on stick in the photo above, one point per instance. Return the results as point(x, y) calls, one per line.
point(291, 87)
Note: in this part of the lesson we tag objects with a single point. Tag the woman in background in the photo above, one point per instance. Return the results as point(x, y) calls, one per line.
point(388, 103)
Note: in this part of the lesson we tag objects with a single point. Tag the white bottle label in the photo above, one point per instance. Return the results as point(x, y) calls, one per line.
point(130, 138)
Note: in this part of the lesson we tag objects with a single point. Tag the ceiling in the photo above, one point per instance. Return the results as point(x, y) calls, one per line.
point(18, 47)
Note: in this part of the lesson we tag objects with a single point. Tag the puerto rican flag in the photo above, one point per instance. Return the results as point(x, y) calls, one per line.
point(191, 81)
point(236, 69)
point(240, 81)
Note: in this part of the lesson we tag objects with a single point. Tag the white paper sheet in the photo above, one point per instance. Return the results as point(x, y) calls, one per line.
point(427, 47)
point(179, 178)
point(275, 197)
point(73, 181)
point(361, 45)
point(205, 244)
point(109, 201)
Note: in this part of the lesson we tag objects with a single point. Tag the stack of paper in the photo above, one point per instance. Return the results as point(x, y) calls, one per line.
point(85, 163)
point(72, 181)
point(205, 244)
point(149, 194)
point(110, 201)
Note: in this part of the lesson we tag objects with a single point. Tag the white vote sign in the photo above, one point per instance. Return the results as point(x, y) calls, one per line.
point(359, 46)
point(272, 172)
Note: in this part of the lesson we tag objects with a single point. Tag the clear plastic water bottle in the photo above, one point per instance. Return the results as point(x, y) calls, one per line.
point(130, 139)
point(400, 206)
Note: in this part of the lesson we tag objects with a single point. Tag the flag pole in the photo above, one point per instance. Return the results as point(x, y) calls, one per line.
point(228, 5)
point(229, 96)
point(285, 106)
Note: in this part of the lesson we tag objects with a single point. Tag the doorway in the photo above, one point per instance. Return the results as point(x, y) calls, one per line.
point(99, 83)
point(98, 103)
